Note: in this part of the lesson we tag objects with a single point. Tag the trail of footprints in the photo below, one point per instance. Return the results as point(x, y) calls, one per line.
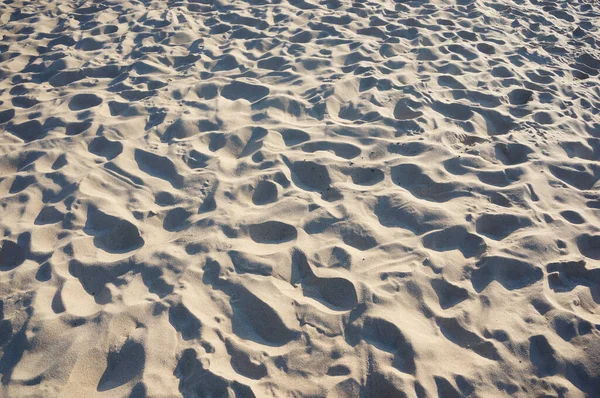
point(297, 190)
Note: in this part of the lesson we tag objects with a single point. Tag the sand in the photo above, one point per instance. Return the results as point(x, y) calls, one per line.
point(299, 198)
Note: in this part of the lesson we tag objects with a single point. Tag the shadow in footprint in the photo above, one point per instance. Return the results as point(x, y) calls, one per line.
point(455, 238)
point(239, 90)
point(158, 166)
point(448, 294)
point(272, 232)
point(310, 176)
point(123, 366)
point(177, 219)
point(184, 322)
point(366, 176)
point(499, 226)
point(542, 356)
point(84, 101)
point(11, 255)
point(589, 245)
point(112, 234)
point(265, 193)
point(509, 272)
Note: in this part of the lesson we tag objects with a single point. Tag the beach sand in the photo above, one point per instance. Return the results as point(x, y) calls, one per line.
point(299, 198)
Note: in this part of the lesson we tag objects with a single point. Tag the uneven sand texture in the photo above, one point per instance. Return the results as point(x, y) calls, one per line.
point(299, 198)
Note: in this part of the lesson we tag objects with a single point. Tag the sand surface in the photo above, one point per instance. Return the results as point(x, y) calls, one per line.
point(299, 198)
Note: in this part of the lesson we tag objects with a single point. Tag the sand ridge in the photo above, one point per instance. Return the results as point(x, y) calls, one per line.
point(317, 198)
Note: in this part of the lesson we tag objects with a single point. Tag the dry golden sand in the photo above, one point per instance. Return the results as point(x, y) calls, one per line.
point(299, 198)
